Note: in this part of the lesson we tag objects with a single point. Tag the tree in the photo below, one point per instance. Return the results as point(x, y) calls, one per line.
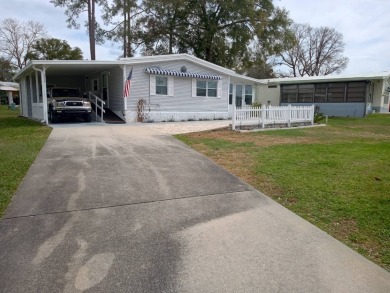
point(164, 27)
point(7, 69)
point(54, 49)
point(73, 9)
point(317, 51)
point(16, 39)
point(217, 31)
point(123, 29)
point(223, 30)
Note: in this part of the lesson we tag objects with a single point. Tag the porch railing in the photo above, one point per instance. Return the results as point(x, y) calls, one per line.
point(272, 115)
point(99, 104)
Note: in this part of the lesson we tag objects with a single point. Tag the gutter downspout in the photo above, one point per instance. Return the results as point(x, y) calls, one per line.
point(44, 93)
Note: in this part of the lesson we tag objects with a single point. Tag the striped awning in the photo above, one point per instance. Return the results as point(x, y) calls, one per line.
point(158, 71)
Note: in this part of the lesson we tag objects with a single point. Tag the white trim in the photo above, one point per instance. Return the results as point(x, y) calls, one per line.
point(174, 57)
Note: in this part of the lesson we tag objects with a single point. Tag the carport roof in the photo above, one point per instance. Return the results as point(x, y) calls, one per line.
point(85, 67)
point(328, 78)
point(69, 67)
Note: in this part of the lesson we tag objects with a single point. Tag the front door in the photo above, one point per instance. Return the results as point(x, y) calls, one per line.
point(239, 92)
point(105, 95)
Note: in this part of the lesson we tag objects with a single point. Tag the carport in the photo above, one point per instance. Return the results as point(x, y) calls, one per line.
point(102, 80)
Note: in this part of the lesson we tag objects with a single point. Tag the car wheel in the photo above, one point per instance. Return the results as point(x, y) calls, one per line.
point(88, 117)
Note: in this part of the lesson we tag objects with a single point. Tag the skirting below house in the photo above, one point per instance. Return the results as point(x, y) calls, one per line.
point(149, 117)
point(379, 110)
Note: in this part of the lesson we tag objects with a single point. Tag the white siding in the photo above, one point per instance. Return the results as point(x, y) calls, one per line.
point(23, 98)
point(271, 94)
point(37, 111)
point(380, 102)
point(182, 100)
point(115, 89)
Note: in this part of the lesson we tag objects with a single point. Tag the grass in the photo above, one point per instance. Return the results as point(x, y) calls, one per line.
point(20, 141)
point(337, 177)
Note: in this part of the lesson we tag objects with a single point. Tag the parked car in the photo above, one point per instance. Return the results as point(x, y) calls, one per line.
point(67, 102)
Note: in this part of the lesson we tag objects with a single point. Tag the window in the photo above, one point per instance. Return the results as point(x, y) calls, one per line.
point(305, 93)
point(230, 94)
point(248, 94)
point(336, 92)
point(239, 93)
point(161, 85)
point(201, 88)
point(356, 92)
point(320, 92)
point(289, 93)
point(206, 88)
point(212, 87)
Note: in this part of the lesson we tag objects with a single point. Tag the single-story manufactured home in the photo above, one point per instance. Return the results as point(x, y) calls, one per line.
point(172, 87)
point(338, 95)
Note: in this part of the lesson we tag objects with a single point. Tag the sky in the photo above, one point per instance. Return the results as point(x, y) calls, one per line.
point(364, 24)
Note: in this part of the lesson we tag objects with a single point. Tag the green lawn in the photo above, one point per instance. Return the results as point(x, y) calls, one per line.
point(337, 177)
point(20, 141)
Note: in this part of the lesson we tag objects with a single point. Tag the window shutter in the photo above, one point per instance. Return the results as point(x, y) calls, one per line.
point(152, 84)
point(194, 87)
point(171, 86)
point(219, 90)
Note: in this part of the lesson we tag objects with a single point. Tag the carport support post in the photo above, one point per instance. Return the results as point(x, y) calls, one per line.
point(10, 99)
point(44, 92)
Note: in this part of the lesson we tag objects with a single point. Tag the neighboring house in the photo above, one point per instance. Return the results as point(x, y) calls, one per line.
point(353, 95)
point(174, 87)
point(9, 88)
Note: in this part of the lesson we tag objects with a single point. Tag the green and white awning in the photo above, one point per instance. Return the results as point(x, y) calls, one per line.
point(154, 70)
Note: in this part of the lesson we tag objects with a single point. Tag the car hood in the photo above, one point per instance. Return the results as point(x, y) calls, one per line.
point(62, 99)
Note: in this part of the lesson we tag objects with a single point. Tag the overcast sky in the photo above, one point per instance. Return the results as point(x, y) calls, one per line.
point(364, 24)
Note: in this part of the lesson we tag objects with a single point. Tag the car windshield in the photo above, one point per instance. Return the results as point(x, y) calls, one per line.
point(65, 93)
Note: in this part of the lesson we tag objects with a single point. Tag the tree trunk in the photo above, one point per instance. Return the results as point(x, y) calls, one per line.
point(129, 53)
point(124, 29)
point(91, 26)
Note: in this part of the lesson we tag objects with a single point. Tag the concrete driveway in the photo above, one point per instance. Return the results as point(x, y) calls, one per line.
point(128, 209)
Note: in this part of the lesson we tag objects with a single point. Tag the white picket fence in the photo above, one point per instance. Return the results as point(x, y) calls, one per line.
point(272, 115)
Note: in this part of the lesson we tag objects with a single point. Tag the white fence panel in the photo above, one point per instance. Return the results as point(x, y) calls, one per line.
point(270, 115)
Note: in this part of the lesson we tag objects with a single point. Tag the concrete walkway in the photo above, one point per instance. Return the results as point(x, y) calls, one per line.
point(129, 209)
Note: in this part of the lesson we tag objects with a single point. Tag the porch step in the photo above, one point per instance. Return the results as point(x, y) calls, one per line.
point(111, 118)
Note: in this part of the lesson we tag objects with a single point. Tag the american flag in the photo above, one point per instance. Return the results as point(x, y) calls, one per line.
point(126, 89)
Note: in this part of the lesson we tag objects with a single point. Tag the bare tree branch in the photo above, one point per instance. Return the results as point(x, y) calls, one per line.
point(17, 38)
point(318, 51)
